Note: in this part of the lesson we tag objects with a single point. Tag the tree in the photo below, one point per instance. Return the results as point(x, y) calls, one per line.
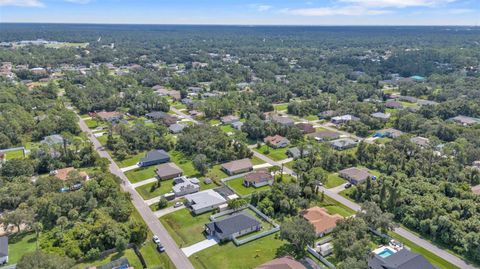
point(299, 233)
point(200, 162)
point(373, 216)
point(38, 227)
point(62, 222)
point(162, 203)
point(41, 260)
point(351, 239)
point(236, 203)
point(17, 167)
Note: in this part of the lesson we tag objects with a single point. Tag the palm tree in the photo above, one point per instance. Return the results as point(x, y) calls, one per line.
point(38, 227)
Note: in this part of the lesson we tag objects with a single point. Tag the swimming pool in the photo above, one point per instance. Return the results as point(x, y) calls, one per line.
point(385, 253)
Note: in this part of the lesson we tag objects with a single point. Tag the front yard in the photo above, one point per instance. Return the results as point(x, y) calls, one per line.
point(185, 228)
point(334, 207)
point(274, 154)
point(334, 180)
point(237, 185)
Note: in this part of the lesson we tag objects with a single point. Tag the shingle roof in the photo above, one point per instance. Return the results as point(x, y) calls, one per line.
point(320, 219)
point(168, 169)
point(233, 224)
point(282, 263)
point(258, 176)
point(3, 246)
point(237, 165)
point(403, 259)
point(204, 199)
point(358, 174)
point(155, 155)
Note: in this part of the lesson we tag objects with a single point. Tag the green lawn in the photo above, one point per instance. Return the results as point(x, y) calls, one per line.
point(214, 122)
point(311, 117)
point(237, 185)
point(185, 228)
point(153, 258)
point(147, 192)
point(128, 253)
point(103, 139)
point(346, 193)
point(334, 207)
point(17, 154)
point(131, 160)
point(280, 107)
point(230, 256)
point(274, 154)
point(141, 173)
point(92, 123)
point(216, 172)
point(256, 161)
point(184, 162)
point(431, 257)
point(19, 245)
point(227, 128)
point(334, 180)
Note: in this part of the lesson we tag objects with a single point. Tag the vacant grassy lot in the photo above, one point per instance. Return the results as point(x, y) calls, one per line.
point(20, 244)
point(184, 162)
point(140, 174)
point(128, 253)
point(274, 154)
point(334, 180)
point(237, 185)
point(153, 258)
point(311, 117)
point(147, 192)
point(334, 207)
point(92, 123)
point(280, 107)
point(216, 172)
point(227, 128)
point(130, 160)
point(185, 228)
point(228, 255)
point(256, 161)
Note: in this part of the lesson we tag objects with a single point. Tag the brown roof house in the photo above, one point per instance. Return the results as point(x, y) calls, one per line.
point(276, 141)
point(355, 175)
point(112, 116)
point(237, 167)
point(63, 173)
point(282, 263)
point(323, 222)
point(258, 179)
point(306, 128)
point(167, 171)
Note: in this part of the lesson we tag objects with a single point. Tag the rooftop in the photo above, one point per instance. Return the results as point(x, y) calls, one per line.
point(320, 219)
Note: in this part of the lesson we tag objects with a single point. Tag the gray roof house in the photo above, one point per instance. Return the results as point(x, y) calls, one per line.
point(389, 132)
point(402, 259)
point(286, 121)
point(168, 171)
point(381, 115)
point(204, 201)
point(295, 152)
point(154, 157)
point(324, 135)
point(229, 119)
point(355, 175)
point(52, 140)
point(343, 143)
point(233, 226)
point(176, 128)
point(3, 250)
point(237, 125)
point(464, 120)
point(183, 186)
point(237, 167)
point(420, 141)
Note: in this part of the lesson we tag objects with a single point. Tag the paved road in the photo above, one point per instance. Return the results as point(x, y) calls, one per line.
point(183, 115)
point(173, 251)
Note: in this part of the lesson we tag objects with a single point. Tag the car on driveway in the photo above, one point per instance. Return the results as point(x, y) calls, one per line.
point(156, 240)
point(348, 185)
point(160, 248)
point(178, 204)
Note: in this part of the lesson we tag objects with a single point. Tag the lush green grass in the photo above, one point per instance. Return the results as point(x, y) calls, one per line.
point(20, 244)
point(230, 256)
point(280, 107)
point(92, 123)
point(407, 104)
point(311, 117)
point(334, 207)
point(274, 154)
point(382, 140)
point(185, 228)
point(256, 161)
point(67, 45)
point(140, 174)
point(214, 122)
point(346, 193)
point(17, 154)
point(128, 253)
point(179, 105)
point(103, 139)
point(289, 164)
point(237, 185)
point(431, 257)
point(184, 162)
point(147, 192)
point(334, 180)
point(216, 172)
point(153, 258)
point(130, 160)
point(227, 128)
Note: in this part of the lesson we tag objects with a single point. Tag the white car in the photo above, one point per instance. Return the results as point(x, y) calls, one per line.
point(156, 240)
point(178, 204)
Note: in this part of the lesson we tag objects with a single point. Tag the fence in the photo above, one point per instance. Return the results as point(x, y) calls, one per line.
point(320, 257)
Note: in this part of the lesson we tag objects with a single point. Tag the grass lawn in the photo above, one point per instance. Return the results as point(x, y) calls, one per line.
point(153, 258)
point(184, 162)
point(334, 207)
point(237, 185)
point(185, 228)
point(311, 117)
point(280, 107)
point(92, 123)
point(382, 140)
point(128, 253)
point(17, 154)
point(334, 180)
point(289, 164)
point(141, 173)
point(274, 154)
point(431, 257)
point(20, 244)
point(256, 161)
point(214, 122)
point(346, 193)
point(103, 139)
point(230, 256)
point(146, 190)
point(227, 128)
point(216, 172)
point(131, 160)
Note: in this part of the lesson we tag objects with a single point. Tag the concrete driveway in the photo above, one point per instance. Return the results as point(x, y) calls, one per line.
point(128, 168)
point(209, 242)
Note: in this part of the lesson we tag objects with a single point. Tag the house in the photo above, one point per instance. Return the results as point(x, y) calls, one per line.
point(161, 91)
point(420, 141)
point(422, 102)
point(393, 104)
point(323, 222)
point(295, 152)
point(63, 173)
point(464, 120)
point(154, 157)
point(112, 116)
point(324, 135)
point(177, 128)
point(389, 132)
point(409, 99)
point(476, 189)
point(229, 119)
point(381, 115)
point(387, 257)
point(327, 114)
point(343, 119)
point(282, 263)
point(51, 140)
point(204, 201)
point(343, 143)
point(183, 186)
point(3, 250)
point(355, 175)
point(258, 179)
point(166, 118)
point(285, 121)
point(306, 128)
point(276, 141)
point(237, 125)
point(168, 171)
point(237, 167)
point(232, 226)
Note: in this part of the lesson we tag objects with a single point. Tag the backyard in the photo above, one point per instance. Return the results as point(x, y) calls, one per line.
point(20, 244)
point(274, 154)
point(237, 185)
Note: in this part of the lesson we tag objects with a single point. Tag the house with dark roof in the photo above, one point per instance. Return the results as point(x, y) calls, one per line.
point(282, 263)
point(258, 179)
point(393, 104)
point(276, 141)
point(402, 259)
point(162, 116)
point(237, 167)
point(389, 132)
point(154, 157)
point(285, 121)
point(232, 226)
point(355, 175)
point(3, 250)
point(295, 152)
point(168, 171)
point(306, 128)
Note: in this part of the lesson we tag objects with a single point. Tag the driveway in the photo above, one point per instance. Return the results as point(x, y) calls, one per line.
point(209, 242)
point(144, 182)
point(128, 168)
point(338, 189)
point(168, 210)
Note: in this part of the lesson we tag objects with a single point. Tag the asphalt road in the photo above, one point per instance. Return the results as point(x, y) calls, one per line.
point(173, 251)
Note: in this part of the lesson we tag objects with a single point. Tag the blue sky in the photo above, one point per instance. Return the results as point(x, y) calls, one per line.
point(282, 12)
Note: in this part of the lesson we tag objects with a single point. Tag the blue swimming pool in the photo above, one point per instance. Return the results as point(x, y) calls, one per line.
point(385, 253)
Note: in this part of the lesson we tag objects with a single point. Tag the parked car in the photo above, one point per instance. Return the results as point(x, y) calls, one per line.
point(178, 204)
point(160, 248)
point(348, 185)
point(156, 240)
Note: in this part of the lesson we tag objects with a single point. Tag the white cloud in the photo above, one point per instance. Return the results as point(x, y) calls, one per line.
point(331, 11)
point(260, 7)
point(22, 3)
point(460, 11)
point(398, 3)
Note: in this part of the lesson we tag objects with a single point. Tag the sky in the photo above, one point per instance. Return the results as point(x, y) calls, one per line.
point(225, 12)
